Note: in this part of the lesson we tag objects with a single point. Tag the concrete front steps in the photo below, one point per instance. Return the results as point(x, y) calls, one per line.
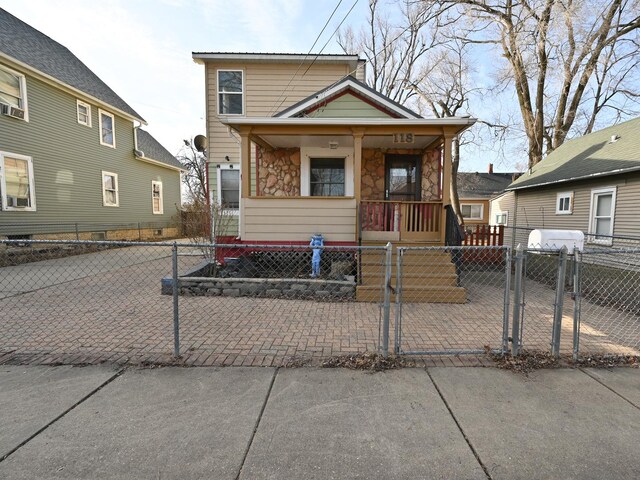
point(429, 276)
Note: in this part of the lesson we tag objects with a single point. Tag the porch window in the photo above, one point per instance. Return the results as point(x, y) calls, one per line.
point(472, 211)
point(16, 182)
point(230, 92)
point(327, 177)
point(228, 187)
point(603, 203)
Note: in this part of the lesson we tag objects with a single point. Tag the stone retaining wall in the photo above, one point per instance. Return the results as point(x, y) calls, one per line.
point(315, 289)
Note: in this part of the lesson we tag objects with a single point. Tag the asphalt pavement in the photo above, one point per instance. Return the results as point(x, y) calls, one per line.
point(312, 423)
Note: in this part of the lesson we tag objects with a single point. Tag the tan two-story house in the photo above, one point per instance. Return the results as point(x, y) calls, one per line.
point(301, 145)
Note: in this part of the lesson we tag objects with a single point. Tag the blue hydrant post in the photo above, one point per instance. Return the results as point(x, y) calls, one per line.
point(316, 241)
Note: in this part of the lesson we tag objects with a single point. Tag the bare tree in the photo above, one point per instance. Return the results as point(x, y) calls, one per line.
point(195, 179)
point(553, 49)
point(393, 42)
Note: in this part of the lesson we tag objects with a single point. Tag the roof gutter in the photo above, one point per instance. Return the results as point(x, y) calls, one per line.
point(157, 162)
point(575, 179)
point(201, 57)
point(76, 92)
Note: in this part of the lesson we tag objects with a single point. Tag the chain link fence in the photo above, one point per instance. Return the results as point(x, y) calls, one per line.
point(214, 304)
point(451, 300)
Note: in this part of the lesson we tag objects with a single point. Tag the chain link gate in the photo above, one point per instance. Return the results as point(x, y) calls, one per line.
point(451, 300)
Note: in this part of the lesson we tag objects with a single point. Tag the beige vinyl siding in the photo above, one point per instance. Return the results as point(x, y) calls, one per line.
point(297, 219)
point(504, 203)
point(264, 84)
point(348, 106)
point(68, 160)
point(537, 208)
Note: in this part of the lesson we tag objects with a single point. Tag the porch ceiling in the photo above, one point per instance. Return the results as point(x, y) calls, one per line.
point(345, 141)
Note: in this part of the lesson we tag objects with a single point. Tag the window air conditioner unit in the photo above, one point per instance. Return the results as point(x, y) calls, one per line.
point(11, 111)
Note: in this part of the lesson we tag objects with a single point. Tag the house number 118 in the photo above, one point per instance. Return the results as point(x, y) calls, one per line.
point(403, 138)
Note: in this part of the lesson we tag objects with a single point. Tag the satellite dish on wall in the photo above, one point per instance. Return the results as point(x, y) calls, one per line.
point(200, 142)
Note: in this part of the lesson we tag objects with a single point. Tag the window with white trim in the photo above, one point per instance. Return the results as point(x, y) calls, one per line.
point(472, 211)
point(13, 89)
point(564, 203)
point(16, 182)
point(156, 197)
point(83, 113)
point(228, 187)
point(603, 205)
point(230, 92)
point(327, 177)
point(501, 218)
point(110, 197)
point(107, 129)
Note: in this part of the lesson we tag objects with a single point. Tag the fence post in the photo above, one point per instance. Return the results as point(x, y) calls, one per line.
point(139, 232)
point(398, 320)
point(387, 301)
point(77, 232)
point(176, 315)
point(577, 284)
point(557, 313)
point(516, 336)
point(507, 296)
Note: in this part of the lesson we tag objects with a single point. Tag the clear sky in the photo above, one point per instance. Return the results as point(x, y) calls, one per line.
point(142, 48)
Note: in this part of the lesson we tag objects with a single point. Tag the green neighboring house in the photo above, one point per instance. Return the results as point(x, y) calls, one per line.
point(72, 154)
point(590, 183)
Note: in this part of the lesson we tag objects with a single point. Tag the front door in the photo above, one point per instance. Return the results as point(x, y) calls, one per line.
point(402, 178)
point(414, 219)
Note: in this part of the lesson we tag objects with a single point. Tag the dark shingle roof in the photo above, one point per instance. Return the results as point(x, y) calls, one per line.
point(152, 149)
point(592, 155)
point(31, 47)
point(345, 81)
point(482, 185)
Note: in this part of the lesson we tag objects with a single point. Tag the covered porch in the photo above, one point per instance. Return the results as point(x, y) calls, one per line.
point(352, 180)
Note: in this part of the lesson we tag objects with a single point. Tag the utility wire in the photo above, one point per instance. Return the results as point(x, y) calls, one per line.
point(274, 108)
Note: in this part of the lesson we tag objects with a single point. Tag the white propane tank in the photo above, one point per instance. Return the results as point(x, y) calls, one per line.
point(556, 239)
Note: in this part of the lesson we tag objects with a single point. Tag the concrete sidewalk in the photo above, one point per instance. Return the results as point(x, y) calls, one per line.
point(267, 423)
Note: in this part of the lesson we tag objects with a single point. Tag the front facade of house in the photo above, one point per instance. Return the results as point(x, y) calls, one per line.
point(69, 149)
point(333, 157)
point(475, 189)
point(591, 184)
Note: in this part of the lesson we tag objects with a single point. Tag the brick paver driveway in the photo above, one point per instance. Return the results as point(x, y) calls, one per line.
point(108, 306)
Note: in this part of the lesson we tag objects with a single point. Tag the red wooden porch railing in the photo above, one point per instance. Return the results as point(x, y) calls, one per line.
point(411, 219)
point(484, 235)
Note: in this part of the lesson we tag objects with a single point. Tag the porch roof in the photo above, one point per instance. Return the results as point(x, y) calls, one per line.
point(460, 122)
point(271, 132)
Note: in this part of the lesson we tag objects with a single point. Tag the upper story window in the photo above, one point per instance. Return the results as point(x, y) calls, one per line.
point(16, 182)
point(564, 203)
point(472, 211)
point(327, 177)
point(110, 197)
point(84, 113)
point(156, 197)
point(230, 92)
point(13, 92)
point(107, 129)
